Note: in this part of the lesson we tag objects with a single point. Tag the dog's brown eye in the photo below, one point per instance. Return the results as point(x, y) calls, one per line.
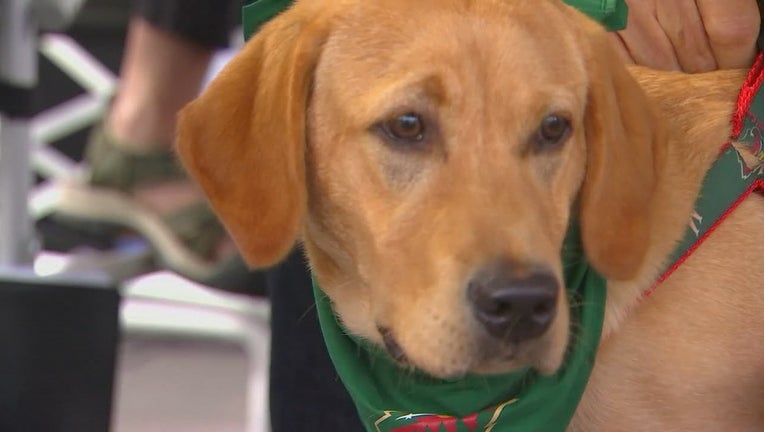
point(552, 132)
point(406, 127)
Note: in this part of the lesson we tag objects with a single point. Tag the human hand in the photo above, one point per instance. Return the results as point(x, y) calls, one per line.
point(690, 35)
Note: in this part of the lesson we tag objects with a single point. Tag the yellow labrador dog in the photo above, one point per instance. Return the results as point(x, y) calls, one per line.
point(413, 146)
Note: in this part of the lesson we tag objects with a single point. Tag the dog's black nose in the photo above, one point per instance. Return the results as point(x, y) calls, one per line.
point(511, 305)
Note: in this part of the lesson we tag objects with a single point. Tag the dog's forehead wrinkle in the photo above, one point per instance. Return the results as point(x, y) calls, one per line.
point(461, 35)
point(422, 92)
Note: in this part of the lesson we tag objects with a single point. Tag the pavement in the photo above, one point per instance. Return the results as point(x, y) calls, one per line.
point(176, 384)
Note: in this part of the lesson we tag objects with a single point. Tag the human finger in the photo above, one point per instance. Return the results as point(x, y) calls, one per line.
point(682, 24)
point(620, 48)
point(645, 39)
point(732, 27)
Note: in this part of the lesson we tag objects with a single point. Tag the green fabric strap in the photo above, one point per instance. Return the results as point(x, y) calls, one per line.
point(728, 181)
point(390, 399)
point(611, 13)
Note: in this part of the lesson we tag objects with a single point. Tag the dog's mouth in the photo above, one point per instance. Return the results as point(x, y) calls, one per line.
point(514, 315)
point(392, 346)
point(493, 358)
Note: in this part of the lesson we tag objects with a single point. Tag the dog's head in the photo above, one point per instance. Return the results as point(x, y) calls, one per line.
point(430, 156)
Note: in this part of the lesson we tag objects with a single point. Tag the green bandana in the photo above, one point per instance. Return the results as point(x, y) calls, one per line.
point(390, 399)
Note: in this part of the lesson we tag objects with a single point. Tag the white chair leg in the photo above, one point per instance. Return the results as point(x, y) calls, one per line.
point(258, 415)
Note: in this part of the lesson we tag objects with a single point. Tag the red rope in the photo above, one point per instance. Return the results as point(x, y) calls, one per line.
point(750, 87)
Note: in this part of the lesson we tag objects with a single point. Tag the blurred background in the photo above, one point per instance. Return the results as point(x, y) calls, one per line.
point(188, 357)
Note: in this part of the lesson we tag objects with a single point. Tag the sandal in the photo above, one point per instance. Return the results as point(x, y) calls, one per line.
point(184, 240)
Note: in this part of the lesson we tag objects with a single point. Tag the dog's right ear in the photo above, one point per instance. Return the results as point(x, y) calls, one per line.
point(625, 147)
point(243, 139)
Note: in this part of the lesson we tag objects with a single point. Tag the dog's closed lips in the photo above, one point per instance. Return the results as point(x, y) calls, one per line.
point(395, 350)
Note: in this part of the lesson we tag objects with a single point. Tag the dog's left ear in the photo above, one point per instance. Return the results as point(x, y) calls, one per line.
point(243, 139)
point(624, 146)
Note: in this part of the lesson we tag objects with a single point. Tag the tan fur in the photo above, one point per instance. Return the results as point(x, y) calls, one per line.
point(285, 143)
